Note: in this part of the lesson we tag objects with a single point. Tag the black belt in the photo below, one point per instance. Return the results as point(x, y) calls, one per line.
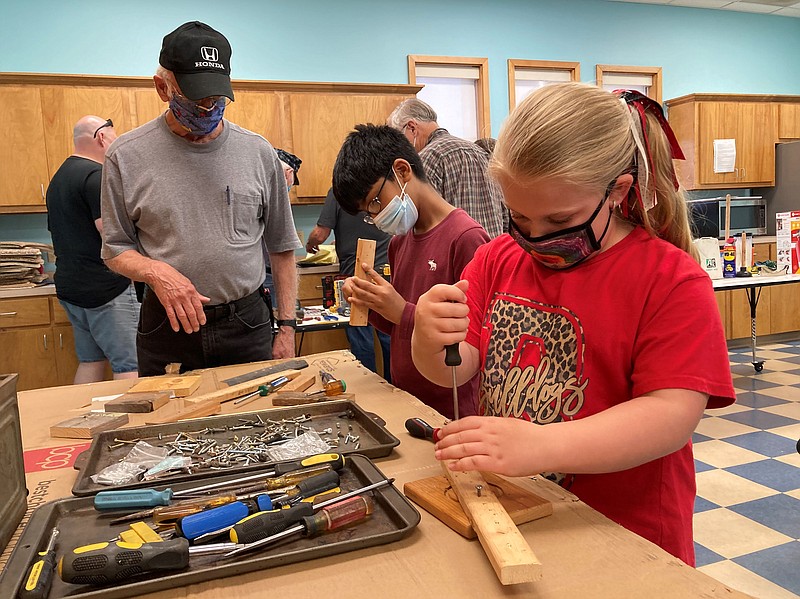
point(219, 311)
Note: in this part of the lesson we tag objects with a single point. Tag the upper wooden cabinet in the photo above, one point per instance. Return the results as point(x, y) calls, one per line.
point(699, 119)
point(307, 119)
point(788, 121)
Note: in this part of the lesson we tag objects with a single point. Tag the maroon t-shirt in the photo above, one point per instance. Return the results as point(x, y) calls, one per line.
point(418, 262)
point(558, 345)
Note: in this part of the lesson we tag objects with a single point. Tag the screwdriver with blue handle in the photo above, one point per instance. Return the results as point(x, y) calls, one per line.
point(40, 576)
point(223, 517)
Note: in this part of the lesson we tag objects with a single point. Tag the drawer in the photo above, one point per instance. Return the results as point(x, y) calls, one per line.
point(59, 315)
point(309, 287)
point(24, 312)
point(761, 252)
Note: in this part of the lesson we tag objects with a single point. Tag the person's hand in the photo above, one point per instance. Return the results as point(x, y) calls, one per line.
point(283, 345)
point(311, 247)
point(182, 302)
point(506, 446)
point(376, 293)
point(441, 317)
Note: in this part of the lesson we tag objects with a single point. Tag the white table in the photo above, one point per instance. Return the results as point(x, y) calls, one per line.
point(752, 286)
point(327, 321)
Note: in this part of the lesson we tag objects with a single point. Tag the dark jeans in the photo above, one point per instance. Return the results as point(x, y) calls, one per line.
point(234, 333)
point(362, 344)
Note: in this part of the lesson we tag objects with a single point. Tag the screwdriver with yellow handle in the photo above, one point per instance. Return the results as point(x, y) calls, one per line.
point(171, 513)
point(40, 576)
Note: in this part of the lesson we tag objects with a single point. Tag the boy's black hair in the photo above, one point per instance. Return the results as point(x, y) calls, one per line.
point(367, 156)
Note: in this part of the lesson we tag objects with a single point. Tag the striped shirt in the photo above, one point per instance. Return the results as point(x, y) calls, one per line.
point(457, 169)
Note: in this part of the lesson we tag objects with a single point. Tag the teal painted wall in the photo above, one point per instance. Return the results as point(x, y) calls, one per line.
point(368, 41)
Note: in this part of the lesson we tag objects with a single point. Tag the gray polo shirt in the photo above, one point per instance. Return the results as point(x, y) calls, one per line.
point(201, 208)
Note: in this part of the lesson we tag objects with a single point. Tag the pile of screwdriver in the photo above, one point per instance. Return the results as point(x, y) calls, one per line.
point(272, 506)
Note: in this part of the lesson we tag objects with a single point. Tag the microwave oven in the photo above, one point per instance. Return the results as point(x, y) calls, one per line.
point(748, 215)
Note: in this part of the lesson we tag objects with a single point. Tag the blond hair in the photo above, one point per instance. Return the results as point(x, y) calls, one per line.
point(583, 135)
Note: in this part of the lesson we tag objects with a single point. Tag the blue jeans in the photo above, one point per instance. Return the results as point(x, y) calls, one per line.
point(107, 332)
point(362, 344)
point(234, 333)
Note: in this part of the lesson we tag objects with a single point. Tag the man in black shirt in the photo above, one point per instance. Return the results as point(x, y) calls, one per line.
point(101, 304)
point(347, 229)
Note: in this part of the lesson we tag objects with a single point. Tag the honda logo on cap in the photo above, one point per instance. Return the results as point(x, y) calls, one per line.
point(209, 53)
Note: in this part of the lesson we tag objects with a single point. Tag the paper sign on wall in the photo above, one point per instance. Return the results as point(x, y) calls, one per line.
point(724, 155)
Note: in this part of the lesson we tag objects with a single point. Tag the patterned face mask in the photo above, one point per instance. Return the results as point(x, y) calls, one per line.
point(563, 249)
point(194, 118)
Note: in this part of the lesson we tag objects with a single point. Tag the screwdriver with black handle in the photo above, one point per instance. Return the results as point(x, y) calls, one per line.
point(40, 575)
point(220, 518)
point(452, 358)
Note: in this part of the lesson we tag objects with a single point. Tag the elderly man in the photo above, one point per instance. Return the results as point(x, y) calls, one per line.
point(100, 304)
point(187, 200)
point(455, 167)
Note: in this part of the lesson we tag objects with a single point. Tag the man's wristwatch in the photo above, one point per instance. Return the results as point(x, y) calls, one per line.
point(287, 323)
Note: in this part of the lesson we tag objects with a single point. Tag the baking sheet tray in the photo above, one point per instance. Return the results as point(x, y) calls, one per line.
point(374, 440)
point(80, 524)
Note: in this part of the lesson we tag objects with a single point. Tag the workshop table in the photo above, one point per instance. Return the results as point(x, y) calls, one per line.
point(752, 286)
point(583, 553)
point(326, 321)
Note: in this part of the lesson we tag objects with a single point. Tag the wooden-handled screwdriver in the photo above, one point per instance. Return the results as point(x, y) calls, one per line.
point(452, 358)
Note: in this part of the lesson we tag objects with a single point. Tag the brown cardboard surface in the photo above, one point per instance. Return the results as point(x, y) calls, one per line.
point(583, 553)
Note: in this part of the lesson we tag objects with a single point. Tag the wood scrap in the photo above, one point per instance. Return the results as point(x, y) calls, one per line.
point(300, 384)
point(509, 553)
point(137, 403)
point(88, 425)
point(436, 496)
point(180, 386)
point(301, 399)
point(365, 252)
point(181, 409)
point(228, 393)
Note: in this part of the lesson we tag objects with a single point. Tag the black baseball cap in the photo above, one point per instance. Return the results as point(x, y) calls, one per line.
point(200, 58)
point(291, 160)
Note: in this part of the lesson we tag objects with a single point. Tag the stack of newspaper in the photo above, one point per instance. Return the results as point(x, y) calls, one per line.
point(22, 264)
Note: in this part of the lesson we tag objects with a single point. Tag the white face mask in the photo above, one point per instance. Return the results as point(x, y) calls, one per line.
point(399, 216)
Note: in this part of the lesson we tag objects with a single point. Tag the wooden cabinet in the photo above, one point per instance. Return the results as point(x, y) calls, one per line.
point(784, 313)
point(788, 121)
point(37, 342)
point(307, 119)
point(699, 119)
point(23, 156)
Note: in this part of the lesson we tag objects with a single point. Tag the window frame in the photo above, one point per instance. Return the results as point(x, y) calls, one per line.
point(482, 108)
point(655, 91)
point(514, 64)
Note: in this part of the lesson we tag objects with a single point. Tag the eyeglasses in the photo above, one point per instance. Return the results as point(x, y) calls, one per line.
point(108, 123)
point(207, 104)
point(368, 217)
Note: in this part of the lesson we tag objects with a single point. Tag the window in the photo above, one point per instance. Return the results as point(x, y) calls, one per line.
point(646, 80)
point(525, 76)
point(458, 90)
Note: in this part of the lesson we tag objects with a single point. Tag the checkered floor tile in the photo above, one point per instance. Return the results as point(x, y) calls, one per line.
point(747, 511)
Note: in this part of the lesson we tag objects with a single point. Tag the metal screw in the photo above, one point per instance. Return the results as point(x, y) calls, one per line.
point(479, 489)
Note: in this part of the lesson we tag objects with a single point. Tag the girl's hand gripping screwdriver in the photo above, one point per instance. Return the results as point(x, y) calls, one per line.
point(452, 358)
point(40, 575)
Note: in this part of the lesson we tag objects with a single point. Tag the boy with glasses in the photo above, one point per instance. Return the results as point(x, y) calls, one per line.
point(379, 172)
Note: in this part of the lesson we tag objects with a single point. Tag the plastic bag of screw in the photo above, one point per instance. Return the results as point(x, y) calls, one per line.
point(140, 458)
point(303, 445)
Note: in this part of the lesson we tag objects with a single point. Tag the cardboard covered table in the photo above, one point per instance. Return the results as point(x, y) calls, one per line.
point(583, 553)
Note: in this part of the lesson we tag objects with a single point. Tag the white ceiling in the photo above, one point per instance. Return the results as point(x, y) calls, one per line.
point(783, 8)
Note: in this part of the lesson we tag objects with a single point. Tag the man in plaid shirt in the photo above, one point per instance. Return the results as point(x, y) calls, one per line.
point(455, 167)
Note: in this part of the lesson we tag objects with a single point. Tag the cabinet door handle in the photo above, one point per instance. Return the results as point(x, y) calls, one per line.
point(60, 341)
point(736, 173)
point(42, 186)
point(45, 341)
point(8, 313)
point(744, 173)
point(317, 286)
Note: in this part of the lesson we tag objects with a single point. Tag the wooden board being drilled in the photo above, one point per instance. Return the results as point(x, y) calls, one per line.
point(364, 253)
point(512, 558)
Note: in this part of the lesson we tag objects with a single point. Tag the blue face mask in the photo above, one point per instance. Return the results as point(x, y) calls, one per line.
point(195, 119)
point(399, 216)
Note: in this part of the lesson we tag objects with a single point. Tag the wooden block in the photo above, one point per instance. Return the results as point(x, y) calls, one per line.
point(180, 386)
point(234, 391)
point(512, 558)
point(87, 425)
point(137, 402)
point(364, 253)
point(436, 496)
point(183, 410)
point(300, 384)
point(301, 399)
